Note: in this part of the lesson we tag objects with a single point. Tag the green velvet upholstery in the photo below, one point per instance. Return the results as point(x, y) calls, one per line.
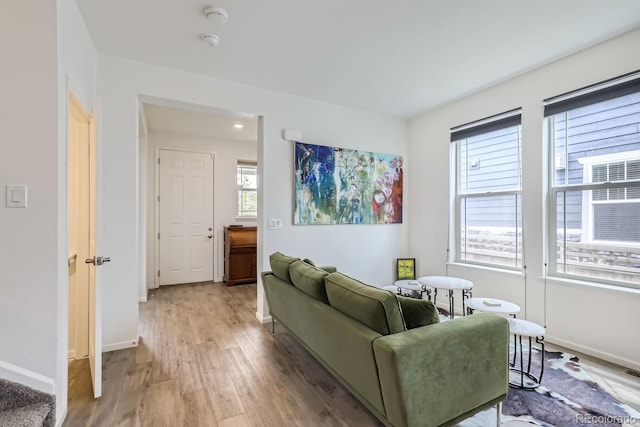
point(418, 312)
point(308, 261)
point(433, 375)
point(458, 368)
point(339, 342)
point(309, 279)
point(280, 265)
point(375, 307)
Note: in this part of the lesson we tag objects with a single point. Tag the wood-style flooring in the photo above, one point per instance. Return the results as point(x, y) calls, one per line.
point(204, 360)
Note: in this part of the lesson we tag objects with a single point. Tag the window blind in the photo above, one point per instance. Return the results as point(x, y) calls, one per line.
point(599, 92)
point(488, 124)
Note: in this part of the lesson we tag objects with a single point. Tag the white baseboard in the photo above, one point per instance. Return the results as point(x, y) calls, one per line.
point(142, 299)
point(26, 377)
point(627, 363)
point(265, 319)
point(71, 355)
point(61, 414)
point(120, 345)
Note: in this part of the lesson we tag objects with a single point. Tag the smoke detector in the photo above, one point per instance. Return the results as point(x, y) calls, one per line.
point(215, 13)
point(211, 39)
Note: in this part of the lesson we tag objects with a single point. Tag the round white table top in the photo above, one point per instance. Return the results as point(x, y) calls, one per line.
point(411, 285)
point(492, 305)
point(445, 282)
point(525, 328)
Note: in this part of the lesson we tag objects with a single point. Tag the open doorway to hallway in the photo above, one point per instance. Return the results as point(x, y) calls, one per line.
point(186, 209)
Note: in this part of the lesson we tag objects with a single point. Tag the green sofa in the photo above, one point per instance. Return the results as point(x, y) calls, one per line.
point(372, 342)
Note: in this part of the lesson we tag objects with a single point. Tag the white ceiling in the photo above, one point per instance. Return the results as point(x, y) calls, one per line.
point(396, 57)
point(209, 123)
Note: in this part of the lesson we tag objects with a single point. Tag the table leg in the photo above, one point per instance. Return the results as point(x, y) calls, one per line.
point(466, 294)
point(451, 303)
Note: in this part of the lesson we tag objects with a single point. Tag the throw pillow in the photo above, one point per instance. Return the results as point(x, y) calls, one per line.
point(418, 312)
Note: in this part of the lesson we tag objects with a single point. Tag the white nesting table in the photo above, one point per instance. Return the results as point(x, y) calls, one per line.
point(524, 378)
point(450, 284)
point(414, 287)
point(492, 305)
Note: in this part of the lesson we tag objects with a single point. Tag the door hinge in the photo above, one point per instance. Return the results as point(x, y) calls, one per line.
point(158, 273)
point(158, 160)
point(158, 236)
point(158, 199)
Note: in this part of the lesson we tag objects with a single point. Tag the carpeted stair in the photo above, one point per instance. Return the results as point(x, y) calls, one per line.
point(22, 406)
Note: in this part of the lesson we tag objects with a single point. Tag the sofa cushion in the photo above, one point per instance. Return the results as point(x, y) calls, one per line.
point(280, 265)
point(309, 279)
point(376, 308)
point(418, 312)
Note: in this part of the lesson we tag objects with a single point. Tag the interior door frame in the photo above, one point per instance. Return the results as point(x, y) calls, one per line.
point(156, 201)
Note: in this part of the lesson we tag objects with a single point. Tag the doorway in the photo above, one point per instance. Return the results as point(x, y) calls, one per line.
point(172, 126)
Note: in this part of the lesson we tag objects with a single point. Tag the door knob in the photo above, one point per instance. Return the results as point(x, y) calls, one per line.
point(97, 260)
point(210, 236)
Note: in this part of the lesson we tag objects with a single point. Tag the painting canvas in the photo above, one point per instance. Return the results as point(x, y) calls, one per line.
point(341, 186)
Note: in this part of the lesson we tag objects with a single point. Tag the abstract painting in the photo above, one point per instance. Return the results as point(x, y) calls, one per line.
point(342, 186)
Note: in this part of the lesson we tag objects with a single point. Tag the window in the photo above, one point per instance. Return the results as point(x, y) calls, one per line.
point(488, 177)
point(594, 221)
point(247, 181)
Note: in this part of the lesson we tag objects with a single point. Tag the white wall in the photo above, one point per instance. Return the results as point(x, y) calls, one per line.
point(364, 251)
point(226, 156)
point(594, 320)
point(30, 270)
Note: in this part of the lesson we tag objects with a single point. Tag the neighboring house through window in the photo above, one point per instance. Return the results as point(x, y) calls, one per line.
point(594, 219)
point(247, 182)
point(488, 190)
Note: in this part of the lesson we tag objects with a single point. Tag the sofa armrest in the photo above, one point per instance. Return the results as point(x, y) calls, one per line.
point(439, 374)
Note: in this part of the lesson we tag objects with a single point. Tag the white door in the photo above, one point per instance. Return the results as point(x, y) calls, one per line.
point(95, 263)
point(186, 217)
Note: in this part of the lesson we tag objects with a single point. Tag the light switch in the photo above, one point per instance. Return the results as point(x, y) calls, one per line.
point(274, 224)
point(16, 196)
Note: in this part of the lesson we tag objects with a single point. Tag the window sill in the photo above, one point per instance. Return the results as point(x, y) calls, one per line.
point(577, 282)
point(246, 218)
point(517, 273)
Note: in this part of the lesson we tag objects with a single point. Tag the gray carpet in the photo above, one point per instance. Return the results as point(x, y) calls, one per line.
point(21, 406)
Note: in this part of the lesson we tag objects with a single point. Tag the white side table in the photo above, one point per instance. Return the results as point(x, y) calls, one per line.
point(492, 305)
point(414, 287)
point(524, 379)
point(449, 284)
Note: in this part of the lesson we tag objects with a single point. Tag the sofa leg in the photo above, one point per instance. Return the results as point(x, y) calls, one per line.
point(499, 414)
point(273, 325)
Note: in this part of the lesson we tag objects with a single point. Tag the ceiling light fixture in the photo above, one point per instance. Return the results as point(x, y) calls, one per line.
point(215, 13)
point(238, 125)
point(211, 39)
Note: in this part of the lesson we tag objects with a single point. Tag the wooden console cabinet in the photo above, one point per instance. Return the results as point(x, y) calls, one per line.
point(240, 255)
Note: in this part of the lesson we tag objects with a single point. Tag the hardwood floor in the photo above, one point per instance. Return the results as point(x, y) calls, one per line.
point(204, 360)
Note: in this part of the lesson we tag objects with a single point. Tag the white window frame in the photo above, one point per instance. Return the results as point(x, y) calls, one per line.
point(587, 202)
point(457, 204)
point(240, 189)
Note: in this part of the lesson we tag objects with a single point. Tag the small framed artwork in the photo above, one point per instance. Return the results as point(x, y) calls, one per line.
point(406, 268)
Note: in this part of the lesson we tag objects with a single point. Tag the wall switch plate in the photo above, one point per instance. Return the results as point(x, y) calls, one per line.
point(16, 196)
point(274, 224)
